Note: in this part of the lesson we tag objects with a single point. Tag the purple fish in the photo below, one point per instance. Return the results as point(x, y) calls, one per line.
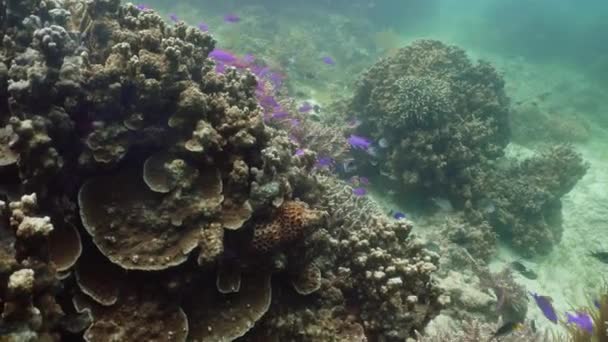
point(544, 304)
point(268, 101)
point(399, 215)
point(305, 107)
point(222, 56)
point(299, 152)
point(294, 122)
point(231, 18)
point(359, 191)
point(203, 27)
point(279, 115)
point(328, 60)
point(173, 17)
point(364, 180)
point(359, 142)
point(142, 7)
point(582, 319)
point(325, 162)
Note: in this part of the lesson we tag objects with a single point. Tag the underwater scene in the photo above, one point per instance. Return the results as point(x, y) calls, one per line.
point(295, 171)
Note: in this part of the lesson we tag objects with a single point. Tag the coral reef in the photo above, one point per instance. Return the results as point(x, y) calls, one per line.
point(29, 280)
point(374, 274)
point(439, 114)
point(161, 201)
point(522, 199)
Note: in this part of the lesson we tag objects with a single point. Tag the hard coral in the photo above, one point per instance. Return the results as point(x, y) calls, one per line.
point(525, 197)
point(291, 222)
point(439, 113)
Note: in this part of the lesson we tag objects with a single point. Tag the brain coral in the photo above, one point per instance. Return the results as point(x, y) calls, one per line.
point(439, 113)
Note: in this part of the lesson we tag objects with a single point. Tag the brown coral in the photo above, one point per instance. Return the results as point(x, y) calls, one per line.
point(292, 221)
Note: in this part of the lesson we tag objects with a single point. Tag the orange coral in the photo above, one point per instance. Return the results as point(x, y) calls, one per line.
point(292, 221)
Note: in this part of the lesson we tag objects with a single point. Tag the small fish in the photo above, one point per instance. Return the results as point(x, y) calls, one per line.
point(399, 216)
point(533, 326)
point(359, 191)
point(325, 162)
point(328, 60)
point(142, 7)
point(507, 328)
point(383, 143)
point(521, 268)
point(487, 206)
point(299, 152)
point(173, 17)
point(349, 166)
point(279, 115)
point(359, 142)
point(364, 180)
point(222, 56)
point(231, 18)
point(203, 27)
point(582, 320)
point(601, 256)
point(544, 304)
point(596, 303)
point(305, 107)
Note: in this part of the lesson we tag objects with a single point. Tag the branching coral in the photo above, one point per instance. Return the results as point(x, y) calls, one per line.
point(439, 113)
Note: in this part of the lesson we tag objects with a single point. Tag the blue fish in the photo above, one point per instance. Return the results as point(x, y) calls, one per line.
point(328, 60)
point(231, 18)
point(582, 320)
point(399, 215)
point(544, 303)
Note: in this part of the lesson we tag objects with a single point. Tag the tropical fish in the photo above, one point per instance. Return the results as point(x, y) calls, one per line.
point(601, 256)
point(231, 18)
point(328, 60)
point(142, 7)
point(521, 268)
point(348, 165)
point(359, 142)
point(279, 115)
point(203, 27)
point(305, 107)
point(325, 162)
point(582, 320)
point(507, 328)
point(399, 216)
point(544, 304)
point(359, 191)
point(299, 152)
point(173, 17)
point(383, 143)
point(222, 56)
